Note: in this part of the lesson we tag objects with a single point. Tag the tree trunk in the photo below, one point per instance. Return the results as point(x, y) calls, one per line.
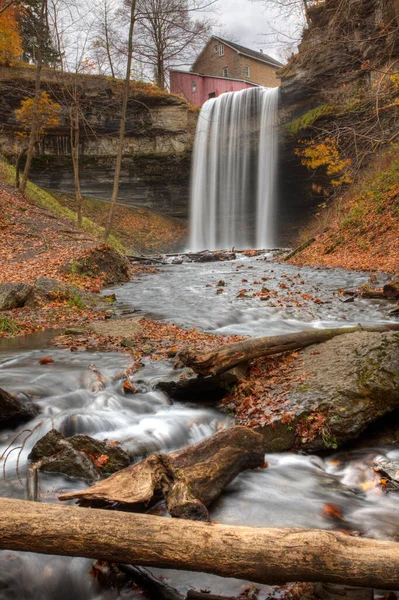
point(35, 126)
point(75, 133)
point(190, 479)
point(262, 555)
point(122, 126)
point(226, 357)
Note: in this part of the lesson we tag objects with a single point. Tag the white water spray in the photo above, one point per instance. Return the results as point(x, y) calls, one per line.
point(234, 171)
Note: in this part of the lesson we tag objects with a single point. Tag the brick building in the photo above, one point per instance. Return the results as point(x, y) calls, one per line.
point(221, 67)
point(221, 58)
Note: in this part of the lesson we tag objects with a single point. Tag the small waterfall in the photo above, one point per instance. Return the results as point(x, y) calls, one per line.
point(234, 171)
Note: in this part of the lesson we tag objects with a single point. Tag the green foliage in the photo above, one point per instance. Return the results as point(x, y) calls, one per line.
point(309, 118)
point(8, 326)
point(76, 301)
point(30, 28)
point(354, 218)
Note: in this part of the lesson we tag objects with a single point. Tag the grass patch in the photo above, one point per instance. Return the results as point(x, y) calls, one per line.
point(8, 325)
point(309, 118)
point(49, 202)
point(75, 301)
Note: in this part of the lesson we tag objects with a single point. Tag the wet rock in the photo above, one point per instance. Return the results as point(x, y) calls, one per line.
point(118, 458)
point(71, 462)
point(47, 289)
point(101, 262)
point(13, 294)
point(47, 445)
point(346, 384)
point(389, 469)
point(13, 412)
point(78, 456)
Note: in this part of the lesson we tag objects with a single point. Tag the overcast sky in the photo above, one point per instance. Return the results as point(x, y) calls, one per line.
point(247, 23)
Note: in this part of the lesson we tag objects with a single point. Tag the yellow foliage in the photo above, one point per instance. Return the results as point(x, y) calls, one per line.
point(10, 39)
point(48, 113)
point(326, 154)
point(394, 79)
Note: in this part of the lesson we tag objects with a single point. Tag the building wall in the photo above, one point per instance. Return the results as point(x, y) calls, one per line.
point(210, 63)
point(181, 83)
point(258, 72)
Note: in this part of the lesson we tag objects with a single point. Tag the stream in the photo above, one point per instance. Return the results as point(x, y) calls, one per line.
point(292, 491)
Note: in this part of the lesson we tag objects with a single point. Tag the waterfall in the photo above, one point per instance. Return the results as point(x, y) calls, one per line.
point(234, 171)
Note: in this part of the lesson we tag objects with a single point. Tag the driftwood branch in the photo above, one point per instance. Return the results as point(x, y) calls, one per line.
point(190, 479)
point(226, 357)
point(261, 555)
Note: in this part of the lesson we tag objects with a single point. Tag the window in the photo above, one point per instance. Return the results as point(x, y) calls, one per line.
point(215, 48)
point(225, 72)
point(221, 50)
point(212, 95)
point(194, 86)
point(247, 73)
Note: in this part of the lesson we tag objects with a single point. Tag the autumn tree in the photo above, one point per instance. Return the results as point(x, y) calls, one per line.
point(168, 35)
point(48, 113)
point(10, 38)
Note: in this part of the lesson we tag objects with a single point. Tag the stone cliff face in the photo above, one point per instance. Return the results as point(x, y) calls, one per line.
point(340, 86)
point(159, 137)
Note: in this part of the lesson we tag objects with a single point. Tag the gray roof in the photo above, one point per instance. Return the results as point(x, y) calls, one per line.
point(251, 53)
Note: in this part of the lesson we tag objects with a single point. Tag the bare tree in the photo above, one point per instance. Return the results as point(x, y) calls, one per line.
point(169, 35)
point(106, 43)
point(122, 125)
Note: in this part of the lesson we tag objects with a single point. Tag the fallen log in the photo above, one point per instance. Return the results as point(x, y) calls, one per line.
point(212, 362)
point(189, 480)
point(261, 555)
point(299, 249)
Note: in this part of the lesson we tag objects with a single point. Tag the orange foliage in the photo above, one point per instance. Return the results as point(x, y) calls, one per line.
point(48, 112)
point(10, 39)
point(326, 154)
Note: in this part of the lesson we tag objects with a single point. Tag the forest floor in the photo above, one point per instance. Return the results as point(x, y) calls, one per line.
point(139, 229)
point(361, 230)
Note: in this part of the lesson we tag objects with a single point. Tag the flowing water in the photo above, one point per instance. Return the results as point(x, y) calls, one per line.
point(234, 171)
point(294, 489)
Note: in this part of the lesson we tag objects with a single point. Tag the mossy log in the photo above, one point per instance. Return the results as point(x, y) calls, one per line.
point(189, 480)
point(212, 362)
point(261, 555)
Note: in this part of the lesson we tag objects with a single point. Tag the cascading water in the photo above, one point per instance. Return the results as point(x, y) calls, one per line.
point(234, 171)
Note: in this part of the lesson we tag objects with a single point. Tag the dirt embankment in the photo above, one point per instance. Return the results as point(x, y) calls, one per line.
point(361, 229)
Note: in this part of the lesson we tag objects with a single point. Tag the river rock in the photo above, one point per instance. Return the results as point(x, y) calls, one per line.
point(13, 294)
point(348, 383)
point(47, 289)
point(13, 412)
point(101, 262)
point(78, 456)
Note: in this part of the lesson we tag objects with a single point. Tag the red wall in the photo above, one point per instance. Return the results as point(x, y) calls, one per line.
point(181, 83)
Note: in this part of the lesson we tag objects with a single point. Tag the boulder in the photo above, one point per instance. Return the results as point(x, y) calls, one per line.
point(47, 289)
point(78, 456)
point(101, 262)
point(346, 384)
point(13, 294)
point(13, 412)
